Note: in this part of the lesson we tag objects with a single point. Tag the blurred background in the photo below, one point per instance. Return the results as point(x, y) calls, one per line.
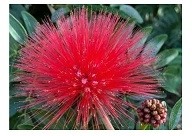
point(164, 19)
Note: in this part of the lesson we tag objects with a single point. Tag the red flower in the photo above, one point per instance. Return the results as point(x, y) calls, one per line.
point(87, 63)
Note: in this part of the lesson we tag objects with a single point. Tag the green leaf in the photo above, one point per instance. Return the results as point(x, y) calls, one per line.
point(27, 123)
point(172, 83)
point(172, 79)
point(135, 50)
point(25, 127)
point(15, 103)
point(15, 10)
point(175, 115)
point(18, 119)
point(130, 122)
point(177, 61)
point(165, 57)
point(15, 120)
point(173, 69)
point(161, 127)
point(146, 11)
point(66, 121)
point(13, 48)
point(16, 29)
point(154, 45)
point(17, 7)
point(126, 123)
point(42, 116)
point(12, 41)
point(12, 72)
point(30, 22)
point(130, 11)
point(138, 124)
point(146, 30)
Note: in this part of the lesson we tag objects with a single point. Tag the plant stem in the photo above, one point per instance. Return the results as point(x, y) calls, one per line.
point(105, 119)
point(144, 126)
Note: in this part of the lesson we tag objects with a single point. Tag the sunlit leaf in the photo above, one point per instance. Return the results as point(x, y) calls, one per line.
point(130, 11)
point(16, 30)
point(178, 59)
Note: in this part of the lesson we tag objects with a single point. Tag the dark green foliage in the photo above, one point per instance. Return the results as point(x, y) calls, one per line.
point(175, 115)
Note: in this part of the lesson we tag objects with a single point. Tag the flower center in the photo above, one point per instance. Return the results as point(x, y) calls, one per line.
point(87, 89)
point(84, 80)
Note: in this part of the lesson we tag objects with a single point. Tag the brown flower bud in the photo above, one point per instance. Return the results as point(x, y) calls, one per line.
point(141, 113)
point(153, 121)
point(147, 116)
point(157, 117)
point(156, 125)
point(146, 110)
point(164, 120)
point(159, 105)
point(161, 111)
point(153, 107)
point(160, 121)
point(146, 120)
point(152, 112)
point(148, 104)
point(153, 101)
point(139, 110)
point(141, 119)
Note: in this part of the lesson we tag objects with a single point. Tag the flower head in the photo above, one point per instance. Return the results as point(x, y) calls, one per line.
point(86, 63)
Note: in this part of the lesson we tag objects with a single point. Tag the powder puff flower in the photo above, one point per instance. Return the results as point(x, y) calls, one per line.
point(87, 63)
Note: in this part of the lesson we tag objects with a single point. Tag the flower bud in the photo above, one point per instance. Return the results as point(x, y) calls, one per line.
point(152, 112)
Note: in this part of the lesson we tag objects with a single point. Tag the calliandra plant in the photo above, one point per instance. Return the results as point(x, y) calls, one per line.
point(87, 63)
